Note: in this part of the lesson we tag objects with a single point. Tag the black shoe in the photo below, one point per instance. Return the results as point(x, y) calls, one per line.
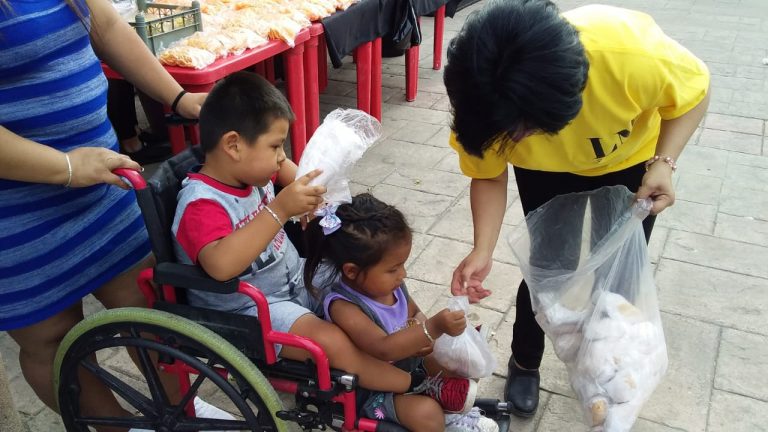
point(150, 153)
point(522, 390)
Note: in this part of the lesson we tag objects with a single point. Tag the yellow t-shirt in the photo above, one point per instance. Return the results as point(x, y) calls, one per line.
point(637, 76)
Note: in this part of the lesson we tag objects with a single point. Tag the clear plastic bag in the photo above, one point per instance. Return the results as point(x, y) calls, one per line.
point(585, 260)
point(467, 354)
point(337, 144)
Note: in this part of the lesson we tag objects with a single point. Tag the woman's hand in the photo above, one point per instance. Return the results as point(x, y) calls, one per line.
point(469, 276)
point(94, 165)
point(657, 185)
point(189, 105)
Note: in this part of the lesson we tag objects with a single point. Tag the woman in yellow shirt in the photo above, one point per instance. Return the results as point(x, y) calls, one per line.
point(592, 97)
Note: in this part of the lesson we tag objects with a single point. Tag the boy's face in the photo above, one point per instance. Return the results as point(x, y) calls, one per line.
point(262, 159)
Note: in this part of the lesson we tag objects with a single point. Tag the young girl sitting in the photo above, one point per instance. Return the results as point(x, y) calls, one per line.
point(367, 243)
point(230, 222)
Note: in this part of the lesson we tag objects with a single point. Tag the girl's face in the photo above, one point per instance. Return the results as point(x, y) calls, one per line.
point(383, 278)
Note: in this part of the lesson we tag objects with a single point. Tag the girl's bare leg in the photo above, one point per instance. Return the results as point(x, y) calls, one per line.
point(373, 374)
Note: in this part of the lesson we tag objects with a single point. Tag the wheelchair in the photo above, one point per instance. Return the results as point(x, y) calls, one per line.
point(235, 354)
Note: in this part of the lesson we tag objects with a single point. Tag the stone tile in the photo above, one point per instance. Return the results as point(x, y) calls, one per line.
point(338, 88)
point(704, 161)
point(418, 244)
point(748, 160)
point(403, 153)
point(24, 397)
point(46, 420)
point(658, 240)
point(514, 215)
point(425, 294)
point(440, 138)
point(734, 124)
point(437, 262)
point(732, 141)
point(742, 228)
point(348, 101)
point(562, 414)
point(425, 115)
point(712, 295)
point(420, 208)
point(493, 388)
point(390, 127)
point(747, 178)
point(449, 163)
point(428, 180)
point(416, 132)
point(698, 188)
point(723, 254)
point(741, 364)
point(424, 99)
point(734, 413)
point(738, 201)
point(371, 169)
point(681, 399)
point(689, 216)
point(442, 104)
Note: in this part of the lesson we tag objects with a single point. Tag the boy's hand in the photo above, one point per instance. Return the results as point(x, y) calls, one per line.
point(447, 322)
point(299, 197)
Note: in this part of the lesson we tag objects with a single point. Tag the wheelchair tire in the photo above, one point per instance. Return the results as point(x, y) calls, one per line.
point(245, 386)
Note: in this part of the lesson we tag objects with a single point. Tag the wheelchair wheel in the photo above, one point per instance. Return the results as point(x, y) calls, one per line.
point(153, 334)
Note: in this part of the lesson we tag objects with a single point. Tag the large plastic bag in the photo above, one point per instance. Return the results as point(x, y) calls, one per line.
point(337, 144)
point(585, 260)
point(467, 354)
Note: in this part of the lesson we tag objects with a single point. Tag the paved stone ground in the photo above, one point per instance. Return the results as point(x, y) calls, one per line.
point(709, 251)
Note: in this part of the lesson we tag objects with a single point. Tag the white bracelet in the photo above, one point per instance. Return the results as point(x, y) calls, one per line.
point(666, 159)
point(274, 216)
point(69, 169)
point(426, 332)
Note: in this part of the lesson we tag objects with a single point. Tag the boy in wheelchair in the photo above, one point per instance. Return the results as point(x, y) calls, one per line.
point(230, 222)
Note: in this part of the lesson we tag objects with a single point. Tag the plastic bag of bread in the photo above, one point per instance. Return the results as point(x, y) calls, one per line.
point(336, 145)
point(467, 354)
point(585, 260)
point(186, 56)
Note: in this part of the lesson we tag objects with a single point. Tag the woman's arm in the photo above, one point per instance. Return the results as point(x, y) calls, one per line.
point(118, 45)
point(673, 136)
point(25, 160)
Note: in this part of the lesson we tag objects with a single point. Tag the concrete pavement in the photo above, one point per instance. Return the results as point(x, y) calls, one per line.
point(709, 251)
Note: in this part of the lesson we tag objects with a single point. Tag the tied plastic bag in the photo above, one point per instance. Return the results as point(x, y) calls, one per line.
point(467, 354)
point(585, 260)
point(337, 144)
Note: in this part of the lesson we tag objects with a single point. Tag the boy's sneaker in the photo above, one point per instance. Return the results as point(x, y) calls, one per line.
point(455, 395)
point(473, 421)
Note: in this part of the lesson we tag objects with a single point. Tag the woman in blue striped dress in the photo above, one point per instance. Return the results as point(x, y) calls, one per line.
point(65, 229)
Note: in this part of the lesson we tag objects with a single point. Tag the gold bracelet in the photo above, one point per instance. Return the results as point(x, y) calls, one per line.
point(666, 159)
point(426, 332)
point(275, 216)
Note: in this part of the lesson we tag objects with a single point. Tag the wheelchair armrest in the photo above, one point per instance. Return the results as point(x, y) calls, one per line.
point(192, 277)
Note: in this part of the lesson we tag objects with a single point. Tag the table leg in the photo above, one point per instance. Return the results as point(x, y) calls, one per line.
point(311, 89)
point(294, 72)
point(376, 79)
point(322, 64)
point(437, 56)
point(411, 73)
point(363, 56)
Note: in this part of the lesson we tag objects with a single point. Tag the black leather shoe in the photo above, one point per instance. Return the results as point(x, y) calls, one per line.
point(522, 390)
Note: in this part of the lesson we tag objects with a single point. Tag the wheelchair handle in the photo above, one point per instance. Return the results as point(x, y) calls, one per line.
point(134, 177)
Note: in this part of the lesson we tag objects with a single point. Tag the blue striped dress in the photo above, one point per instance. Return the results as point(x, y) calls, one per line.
point(57, 244)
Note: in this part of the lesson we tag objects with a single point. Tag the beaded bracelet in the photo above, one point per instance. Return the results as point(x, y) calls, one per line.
point(668, 160)
point(275, 216)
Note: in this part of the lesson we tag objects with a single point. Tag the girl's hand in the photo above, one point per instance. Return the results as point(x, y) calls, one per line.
point(94, 165)
point(299, 197)
point(447, 322)
point(657, 185)
point(469, 276)
point(189, 105)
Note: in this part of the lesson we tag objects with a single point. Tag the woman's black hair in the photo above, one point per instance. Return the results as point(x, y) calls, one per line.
point(242, 102)
point(516, 65)
point(369, 228)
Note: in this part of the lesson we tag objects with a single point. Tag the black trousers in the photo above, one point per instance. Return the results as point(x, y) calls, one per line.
point(121, 109)
point(535, 189)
